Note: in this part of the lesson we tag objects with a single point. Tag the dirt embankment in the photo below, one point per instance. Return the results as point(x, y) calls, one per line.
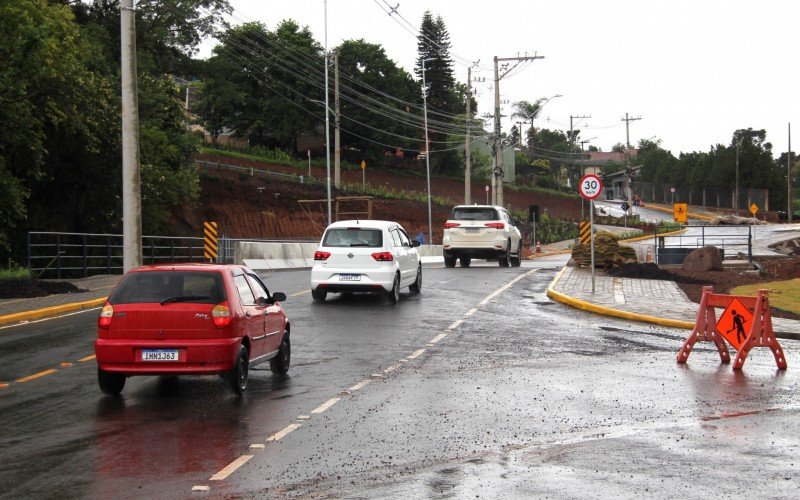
point(234, 201)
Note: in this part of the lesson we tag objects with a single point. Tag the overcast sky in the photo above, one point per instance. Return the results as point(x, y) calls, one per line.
point(694, 70)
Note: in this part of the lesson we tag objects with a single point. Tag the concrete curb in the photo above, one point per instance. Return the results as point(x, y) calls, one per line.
point(644, 318)
point(51, 311)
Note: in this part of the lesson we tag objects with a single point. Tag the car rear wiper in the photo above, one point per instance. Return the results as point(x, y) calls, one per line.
point(360, 245)
point(184, 298)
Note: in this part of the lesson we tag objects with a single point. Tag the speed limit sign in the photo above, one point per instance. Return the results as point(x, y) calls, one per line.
point(590, 186)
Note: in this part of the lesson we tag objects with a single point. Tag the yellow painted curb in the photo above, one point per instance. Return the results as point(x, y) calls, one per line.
point(650, 236)
point(693, 215)
point(608, 311)
point(51, 311)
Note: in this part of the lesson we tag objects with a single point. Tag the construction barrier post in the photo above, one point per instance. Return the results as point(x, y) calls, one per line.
point(761, 334)
point(705, 330)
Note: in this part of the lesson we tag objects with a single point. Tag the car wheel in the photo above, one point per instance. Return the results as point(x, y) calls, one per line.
point(110, 383)
point(505, 258)
point(416, 287)
point(465, 261)
point(238, 375)
point(449, 262)
point(394, 293)
point(516, 260)
point(279, 365)
point(319, 295)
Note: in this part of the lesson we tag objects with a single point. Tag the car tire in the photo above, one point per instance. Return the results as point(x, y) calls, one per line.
point(319, 295)
point(110, 383)
point(465, 261)
point(239, 374)
point(505, 258)
point(279, 365)
point(450, 261)
point(416, 286)
point(394, 293)
point(516, 260)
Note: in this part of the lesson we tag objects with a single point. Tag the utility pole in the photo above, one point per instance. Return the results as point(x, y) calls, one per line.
point(497, 178)
point(467, 152)
point(337, 149)
point(790, 208)
point(131, 170)
point(736, 187)
point(572, 146)
point(628, 169)
point(519, 134)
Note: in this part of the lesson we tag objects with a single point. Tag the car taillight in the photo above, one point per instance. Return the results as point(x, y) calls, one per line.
point(382, 256)
point(221, 314)
point(450, 225)
point(106, 313)
point(496, 225)
point(320, 255)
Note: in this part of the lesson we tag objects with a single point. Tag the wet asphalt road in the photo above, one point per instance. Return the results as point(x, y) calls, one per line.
point(522, 397)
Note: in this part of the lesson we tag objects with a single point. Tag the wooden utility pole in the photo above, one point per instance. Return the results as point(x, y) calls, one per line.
point(790, 208)
point(337, 149)
point(467, 152)
point(497, 178)
point(572, 148)
point(628, 170)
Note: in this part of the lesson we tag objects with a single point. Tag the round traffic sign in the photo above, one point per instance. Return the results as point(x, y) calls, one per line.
point(590, 186)
point(671, 190)
point(487, 188)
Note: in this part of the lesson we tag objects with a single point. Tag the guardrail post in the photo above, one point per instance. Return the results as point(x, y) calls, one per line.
point(152, 252)
point(29, 250)
point(171, 250)
point(108, 254)
point(85, 259)
point(749, 244)
point(191, 253)
point(58, 255)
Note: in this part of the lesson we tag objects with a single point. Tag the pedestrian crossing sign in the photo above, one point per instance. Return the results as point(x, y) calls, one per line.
point(734, 323)
point(680, 212)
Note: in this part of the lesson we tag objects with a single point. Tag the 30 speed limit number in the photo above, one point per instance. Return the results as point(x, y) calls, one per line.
point(590, 186)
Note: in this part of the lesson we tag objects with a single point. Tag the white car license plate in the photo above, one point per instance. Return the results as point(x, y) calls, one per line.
point(349, 277)
point(472, 230)
point(159, 355)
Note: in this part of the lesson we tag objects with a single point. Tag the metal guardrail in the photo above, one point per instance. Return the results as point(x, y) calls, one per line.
point(728, 243)
point(70, 255)
point(257, 172)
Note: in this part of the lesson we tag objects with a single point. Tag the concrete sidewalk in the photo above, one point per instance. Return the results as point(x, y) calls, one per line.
point(653, 301)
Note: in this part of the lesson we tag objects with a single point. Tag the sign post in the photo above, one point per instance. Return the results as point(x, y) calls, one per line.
point(754, 211)
point(487, 194)
point(309, 163)
point(590, 187)
point(363, 173)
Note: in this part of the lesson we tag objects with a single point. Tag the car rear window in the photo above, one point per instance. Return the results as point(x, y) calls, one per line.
point(180, 286)
point(474, 213)
point(353, 237)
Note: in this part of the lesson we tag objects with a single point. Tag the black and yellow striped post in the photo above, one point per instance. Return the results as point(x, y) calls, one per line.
point(585, 232)
point(210, 240)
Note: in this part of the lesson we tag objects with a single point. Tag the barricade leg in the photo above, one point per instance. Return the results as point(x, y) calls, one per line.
point(761, 335)
point(704, 330)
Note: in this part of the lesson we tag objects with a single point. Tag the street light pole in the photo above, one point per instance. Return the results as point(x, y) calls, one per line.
point(427, 149)
point(277, 232)
point(327, 120)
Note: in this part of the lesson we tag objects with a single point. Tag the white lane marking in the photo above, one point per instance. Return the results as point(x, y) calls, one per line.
point(416, 353)
point(199, 487)
point(438, 338)
point(231, 468)
point(359, 385)
point(324, 406)
point(50, 318)
point(304, 417)
point(471, 312)
point(504, 288)
point(455, 324)
point(283, 432)
point(257, 446)
point(619, 295)
point(392, 368)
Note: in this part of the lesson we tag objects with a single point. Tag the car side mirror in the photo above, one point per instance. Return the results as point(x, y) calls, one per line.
point(278, 297)
point(415, 243)
point(517, 222)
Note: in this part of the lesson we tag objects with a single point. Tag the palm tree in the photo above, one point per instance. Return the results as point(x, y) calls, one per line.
point(529, 112)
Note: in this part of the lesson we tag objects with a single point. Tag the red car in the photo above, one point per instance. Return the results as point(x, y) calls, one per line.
point(181, 319)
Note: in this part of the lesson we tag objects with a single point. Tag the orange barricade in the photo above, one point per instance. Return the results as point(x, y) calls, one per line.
point(745, 323)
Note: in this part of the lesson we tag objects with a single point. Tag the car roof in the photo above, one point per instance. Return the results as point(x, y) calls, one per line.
point(368, 223)
point(187, 266)
point(496, 207)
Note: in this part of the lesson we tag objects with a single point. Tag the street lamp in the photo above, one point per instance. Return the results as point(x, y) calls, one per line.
point(327, 120)
point(260, 190)
point(427, 149)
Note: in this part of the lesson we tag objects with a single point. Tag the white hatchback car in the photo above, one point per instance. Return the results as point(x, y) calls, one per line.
point(481, 232)
point(366, 256)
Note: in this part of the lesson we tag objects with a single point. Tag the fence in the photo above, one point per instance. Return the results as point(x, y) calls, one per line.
point(674, 249)
point(711, 197)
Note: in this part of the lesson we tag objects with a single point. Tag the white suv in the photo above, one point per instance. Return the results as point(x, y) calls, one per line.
point(481, 232)
point(366, 256)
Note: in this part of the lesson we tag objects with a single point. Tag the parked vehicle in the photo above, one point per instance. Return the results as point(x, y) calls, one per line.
point(481, 232)
point(366, 256)
point(181, 319)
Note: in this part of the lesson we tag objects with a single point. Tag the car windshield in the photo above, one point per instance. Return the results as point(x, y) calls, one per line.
point(168, 287)
point(474, 213)
point(353, 237)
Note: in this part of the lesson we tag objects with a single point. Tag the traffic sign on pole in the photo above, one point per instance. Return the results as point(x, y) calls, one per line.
point(590, 187)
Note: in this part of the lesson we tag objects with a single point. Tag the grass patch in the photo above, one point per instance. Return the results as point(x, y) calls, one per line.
point(782, 294)
point(14, 274)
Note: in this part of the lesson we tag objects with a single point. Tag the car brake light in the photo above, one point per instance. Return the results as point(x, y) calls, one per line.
point(221, 314)
point(320, 255)
point(106, 313)
point(496, 225)
point(450, 225)
point(383, 256)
